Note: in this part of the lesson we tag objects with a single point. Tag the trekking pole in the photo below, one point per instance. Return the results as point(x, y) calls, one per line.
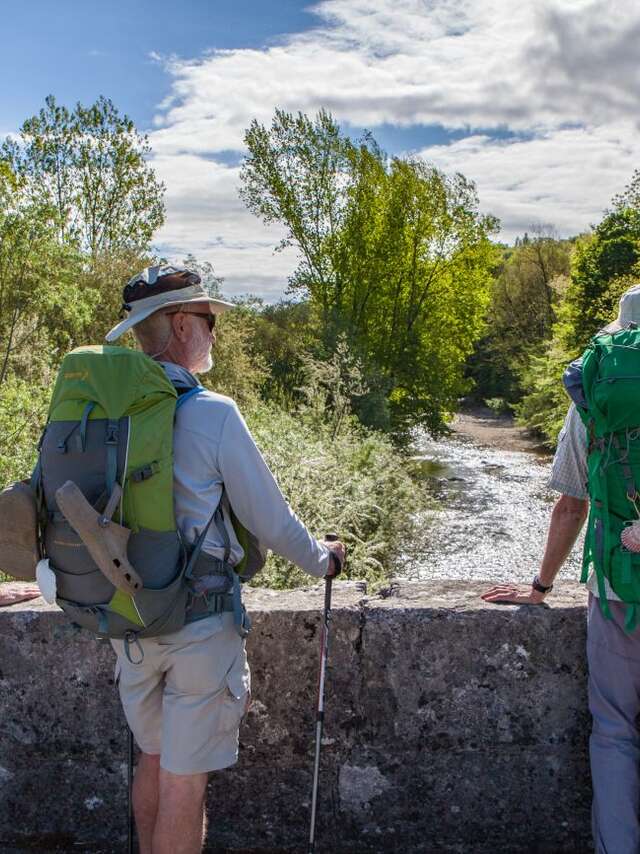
point(130, 828)
point(324, 652)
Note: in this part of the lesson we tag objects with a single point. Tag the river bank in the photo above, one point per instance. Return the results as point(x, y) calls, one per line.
point(483, 426)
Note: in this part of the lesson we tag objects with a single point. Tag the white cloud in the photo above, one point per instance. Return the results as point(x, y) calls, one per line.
point(206, 217)
point(565, 178)
point(562, 72)
point(476, 63)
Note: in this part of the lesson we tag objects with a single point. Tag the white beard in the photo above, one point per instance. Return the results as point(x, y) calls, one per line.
point(205, 365)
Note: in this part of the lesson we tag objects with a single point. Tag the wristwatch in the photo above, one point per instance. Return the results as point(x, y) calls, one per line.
point(539, 586)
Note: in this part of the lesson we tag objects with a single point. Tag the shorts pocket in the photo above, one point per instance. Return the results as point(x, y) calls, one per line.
point(236, 696)
point(232, 710)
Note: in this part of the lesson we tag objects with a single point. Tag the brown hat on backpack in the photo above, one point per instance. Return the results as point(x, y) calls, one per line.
point(19, 551)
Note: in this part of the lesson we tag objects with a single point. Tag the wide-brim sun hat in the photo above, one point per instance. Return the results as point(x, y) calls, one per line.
point(628, 311)
point(160, 287)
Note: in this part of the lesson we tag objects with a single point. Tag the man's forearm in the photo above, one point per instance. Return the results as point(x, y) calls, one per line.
point(567, 519)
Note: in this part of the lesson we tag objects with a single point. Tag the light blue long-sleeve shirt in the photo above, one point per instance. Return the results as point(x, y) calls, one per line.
point(212, 447)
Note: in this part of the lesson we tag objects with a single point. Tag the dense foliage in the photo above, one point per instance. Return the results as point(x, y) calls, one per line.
point(548, 299)
point(525, 295)
point(394, 254)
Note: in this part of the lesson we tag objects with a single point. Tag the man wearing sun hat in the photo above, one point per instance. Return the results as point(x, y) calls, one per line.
point(613, 653)
point(184, 701)
point(161, 287)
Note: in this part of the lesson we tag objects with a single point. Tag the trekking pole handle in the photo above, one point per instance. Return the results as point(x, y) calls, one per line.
point(334, 538)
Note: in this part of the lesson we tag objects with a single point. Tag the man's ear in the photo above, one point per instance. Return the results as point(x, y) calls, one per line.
point(179, 326)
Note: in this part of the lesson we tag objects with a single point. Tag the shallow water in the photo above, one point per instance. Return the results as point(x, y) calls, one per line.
point(492, 513)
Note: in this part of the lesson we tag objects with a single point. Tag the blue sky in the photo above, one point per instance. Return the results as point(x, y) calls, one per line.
point(78, 50)
point(535, 102)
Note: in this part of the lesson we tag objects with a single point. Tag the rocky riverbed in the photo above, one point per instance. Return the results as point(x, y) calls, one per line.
point(489, 481)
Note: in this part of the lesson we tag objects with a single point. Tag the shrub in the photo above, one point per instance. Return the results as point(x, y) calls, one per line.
point(23, 413)
point(353, 482)
point(498, 405)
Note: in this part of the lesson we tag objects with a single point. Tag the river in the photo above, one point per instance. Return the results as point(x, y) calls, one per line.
point(491, 505)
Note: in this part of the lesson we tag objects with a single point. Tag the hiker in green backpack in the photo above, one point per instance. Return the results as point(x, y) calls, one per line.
point(184, 693)
point(597, 471)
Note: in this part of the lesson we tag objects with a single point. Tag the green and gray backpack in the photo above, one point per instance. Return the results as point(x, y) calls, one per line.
point(110, 432)
point(605, 385)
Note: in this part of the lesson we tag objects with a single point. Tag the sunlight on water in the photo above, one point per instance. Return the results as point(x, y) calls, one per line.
point(493, 516)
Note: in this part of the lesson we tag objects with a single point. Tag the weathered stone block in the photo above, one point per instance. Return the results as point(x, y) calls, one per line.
point(452, 726)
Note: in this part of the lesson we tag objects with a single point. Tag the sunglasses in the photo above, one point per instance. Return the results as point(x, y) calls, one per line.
point(210, 318)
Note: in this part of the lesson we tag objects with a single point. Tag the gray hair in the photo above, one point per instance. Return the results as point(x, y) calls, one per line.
point(153, 333)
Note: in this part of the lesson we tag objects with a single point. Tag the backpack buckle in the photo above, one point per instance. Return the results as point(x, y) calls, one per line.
point(111, 437)
point(144, 473)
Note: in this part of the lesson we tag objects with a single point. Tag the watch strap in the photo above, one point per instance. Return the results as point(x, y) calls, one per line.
point(539, 586)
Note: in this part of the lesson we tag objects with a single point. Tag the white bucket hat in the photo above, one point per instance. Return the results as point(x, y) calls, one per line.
point(160, 287)
point(628, 312)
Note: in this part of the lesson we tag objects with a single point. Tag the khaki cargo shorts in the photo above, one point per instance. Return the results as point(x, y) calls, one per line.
point(187, 696)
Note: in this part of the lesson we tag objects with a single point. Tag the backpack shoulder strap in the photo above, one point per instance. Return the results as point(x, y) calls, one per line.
point(185, 394)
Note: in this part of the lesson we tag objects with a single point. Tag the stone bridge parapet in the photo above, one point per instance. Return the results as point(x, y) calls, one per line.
point(451, 726)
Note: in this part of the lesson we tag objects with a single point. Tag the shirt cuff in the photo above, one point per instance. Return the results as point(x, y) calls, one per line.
point(321, 567)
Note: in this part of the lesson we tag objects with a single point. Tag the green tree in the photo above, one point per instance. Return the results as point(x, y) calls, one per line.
point(529, 285)
point(41, 309)
point(630, 196)
point(284, 333)
point(89, 165)
point(88, 168)
point(611, 253)
point(295, 174)
point(416, 267)
point(605, 263)
point(238, 371)
point(395, 254)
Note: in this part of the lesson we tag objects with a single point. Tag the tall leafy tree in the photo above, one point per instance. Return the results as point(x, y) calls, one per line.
point(530, 283)
point(610, 254)
point(40, 306)
point(89, 165)
point(88, 168)
point(417, 262)
point(630, 196)
point(604, 264)
point(394, 253)
point(295, 174)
